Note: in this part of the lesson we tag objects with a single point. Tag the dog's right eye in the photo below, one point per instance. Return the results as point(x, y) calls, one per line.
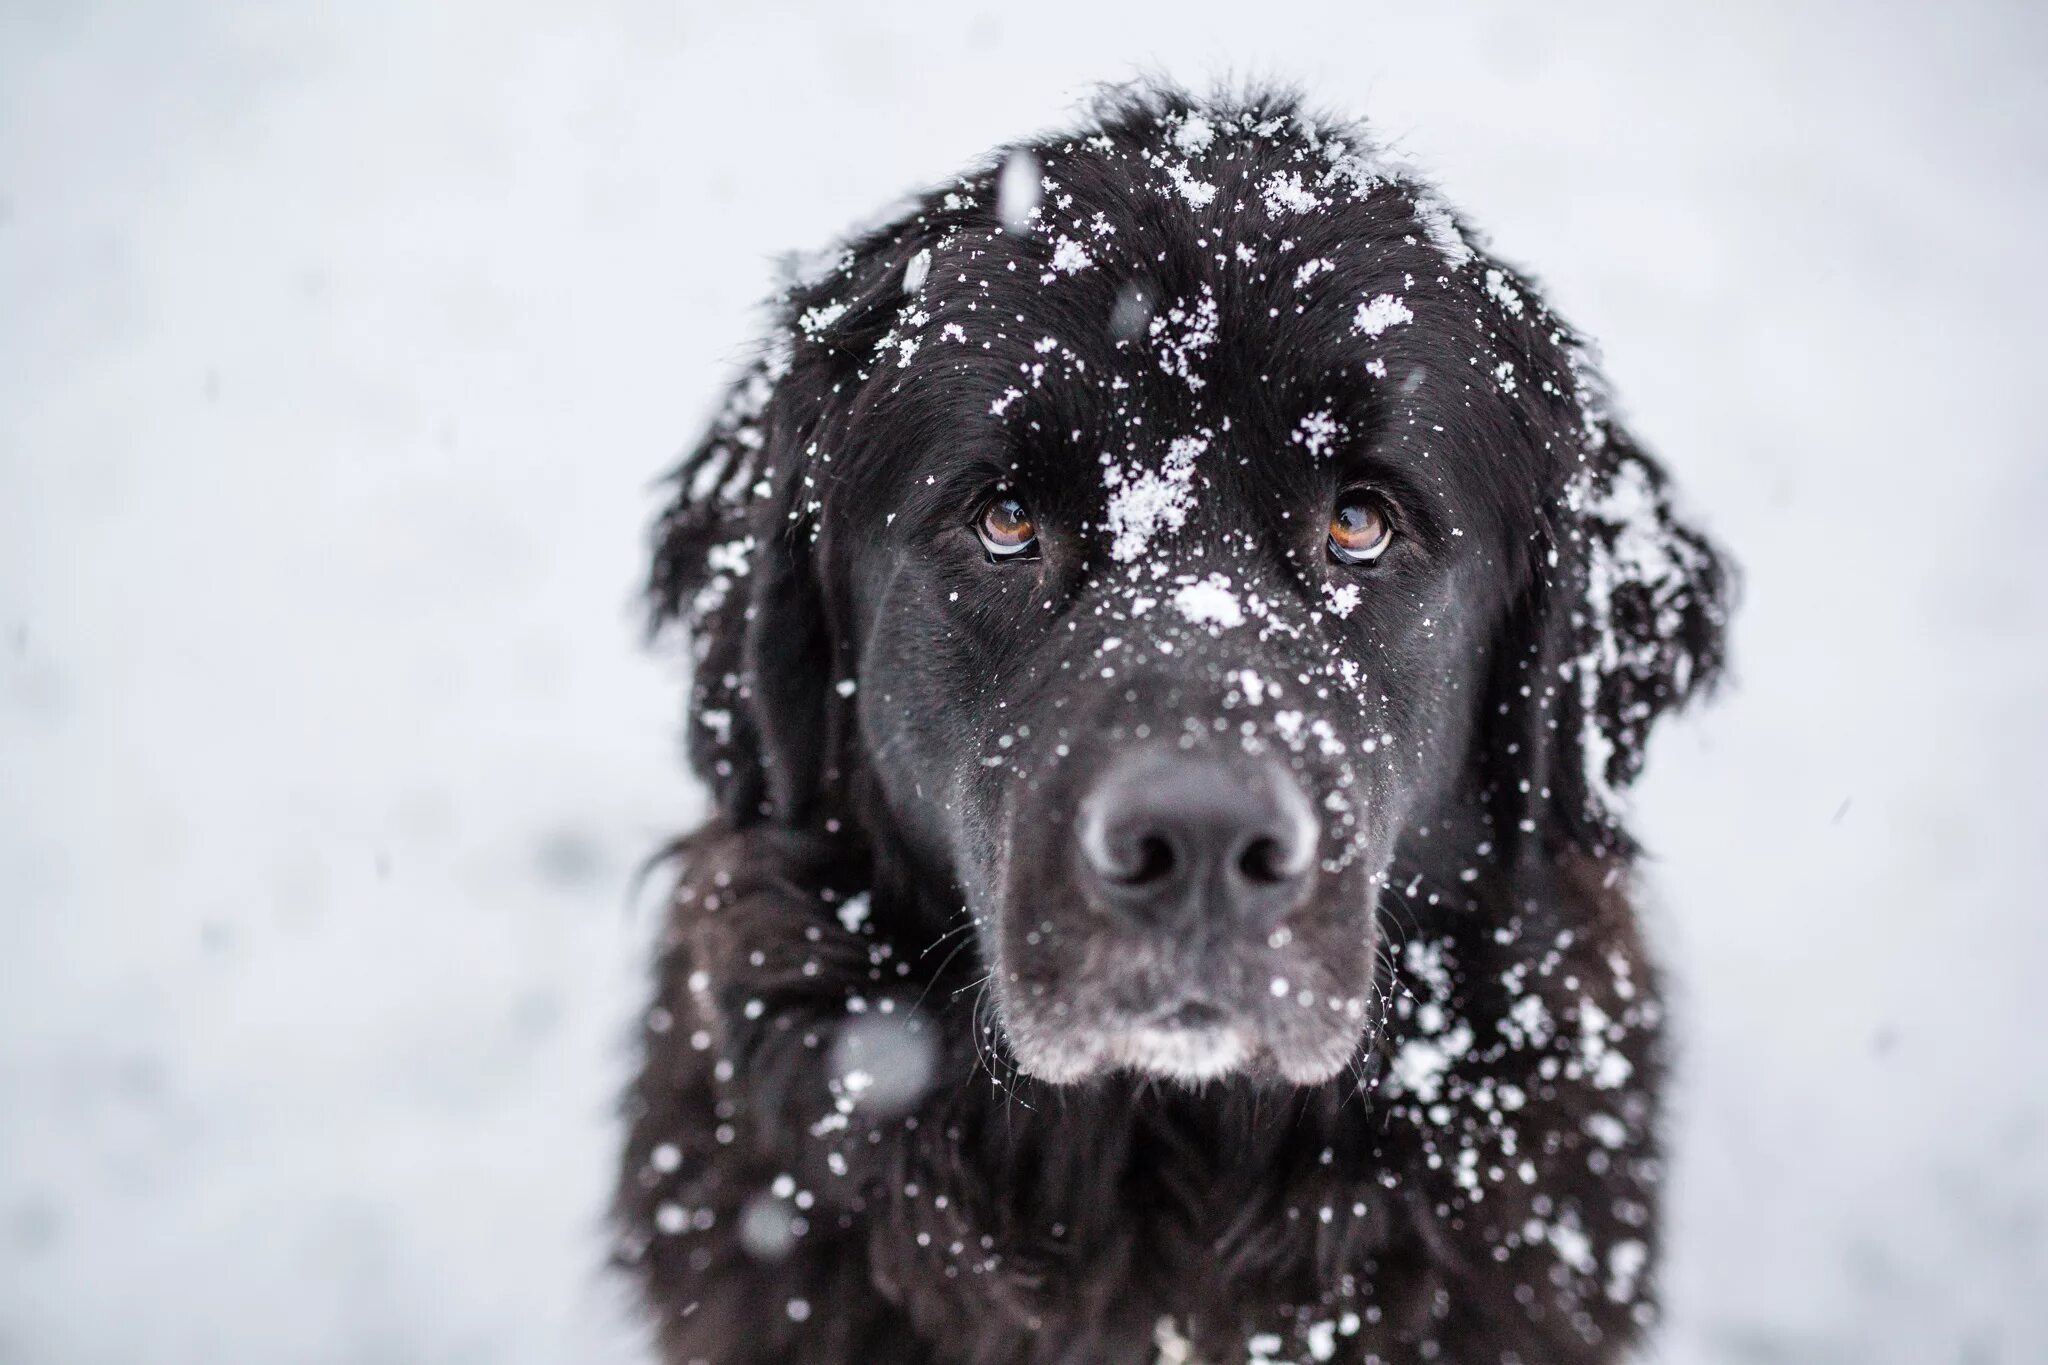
point(1006, 529)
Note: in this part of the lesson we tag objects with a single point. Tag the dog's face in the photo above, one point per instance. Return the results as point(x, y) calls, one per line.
point(1173, 512)
point(1172, 612)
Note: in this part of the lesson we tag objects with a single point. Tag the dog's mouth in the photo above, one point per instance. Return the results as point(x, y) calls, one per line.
point(1190, 1055)
point(1192, 1041)
point(1300, 1023)
point(1193, 1016)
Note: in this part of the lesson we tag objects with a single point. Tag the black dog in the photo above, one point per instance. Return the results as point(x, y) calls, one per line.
point(1172, 618)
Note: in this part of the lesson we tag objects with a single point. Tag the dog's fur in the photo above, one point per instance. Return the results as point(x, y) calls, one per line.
point(1435, 1137)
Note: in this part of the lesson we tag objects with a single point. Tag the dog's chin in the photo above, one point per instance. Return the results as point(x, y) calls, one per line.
point(1186, 1056)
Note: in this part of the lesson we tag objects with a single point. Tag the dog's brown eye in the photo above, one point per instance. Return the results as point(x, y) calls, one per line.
point(1360, 529)
point(1005, 528)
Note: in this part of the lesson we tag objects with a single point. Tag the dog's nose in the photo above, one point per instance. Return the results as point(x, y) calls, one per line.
point(1168, 839)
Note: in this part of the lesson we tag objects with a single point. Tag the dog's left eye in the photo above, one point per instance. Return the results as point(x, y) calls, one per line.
point(1361, 528)
point(1006, 528)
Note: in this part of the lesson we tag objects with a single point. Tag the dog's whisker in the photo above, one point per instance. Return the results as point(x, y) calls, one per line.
point(959, 928)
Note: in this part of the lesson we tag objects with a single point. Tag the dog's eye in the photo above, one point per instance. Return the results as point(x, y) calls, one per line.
point(1005, 528)
point(1360, 528)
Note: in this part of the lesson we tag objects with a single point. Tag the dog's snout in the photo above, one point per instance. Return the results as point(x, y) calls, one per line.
point(1170, 839)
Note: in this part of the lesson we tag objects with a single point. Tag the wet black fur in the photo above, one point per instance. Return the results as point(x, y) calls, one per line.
point(1005, 1221)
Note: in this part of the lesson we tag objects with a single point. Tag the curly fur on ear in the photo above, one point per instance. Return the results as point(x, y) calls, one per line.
point(734, 549)
point(1624, 614)
point(1631, 611)
point(1650, 623)
point(710, 574)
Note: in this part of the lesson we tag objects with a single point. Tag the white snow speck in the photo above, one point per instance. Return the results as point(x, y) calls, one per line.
point(1018, 191)
point(1185, 332)
point(1173, 1347)
point(730, 557)
point(1320, 265)
point(1284, 193)
point(1504, 293)
point(1209, 602)
point(1145, 503)
point(1195, 135)
point(1625, 1262)
point(1198, 193)
point(882, 1063)
point(919, 269)
point(1069, 257)
point(1379, 313)
point(1607, 1130)
point(1440, 227)
point(1255, 688)
point(816, 321)
point(1422, 1062)
point(1573, 1247)
point(1318, 432)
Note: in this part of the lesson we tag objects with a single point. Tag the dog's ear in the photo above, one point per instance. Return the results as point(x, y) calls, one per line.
point(1624, 620)
point(730, 566)
point(737, 550)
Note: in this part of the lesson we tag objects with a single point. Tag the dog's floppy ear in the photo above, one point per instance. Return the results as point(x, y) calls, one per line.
point(731, 565)
point(736, 551)
point(1624, 620)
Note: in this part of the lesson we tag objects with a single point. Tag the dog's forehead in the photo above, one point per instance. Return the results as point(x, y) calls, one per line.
point(1197, 284)
point(1226, 185)
point(1148, 239)
point(1183, 301)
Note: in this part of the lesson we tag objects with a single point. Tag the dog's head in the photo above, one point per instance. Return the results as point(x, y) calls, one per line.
point(1150, 537)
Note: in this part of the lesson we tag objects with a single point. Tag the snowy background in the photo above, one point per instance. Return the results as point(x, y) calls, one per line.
point(339, 345)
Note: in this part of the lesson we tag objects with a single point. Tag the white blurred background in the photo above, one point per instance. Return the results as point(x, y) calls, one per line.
point(339, 345)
